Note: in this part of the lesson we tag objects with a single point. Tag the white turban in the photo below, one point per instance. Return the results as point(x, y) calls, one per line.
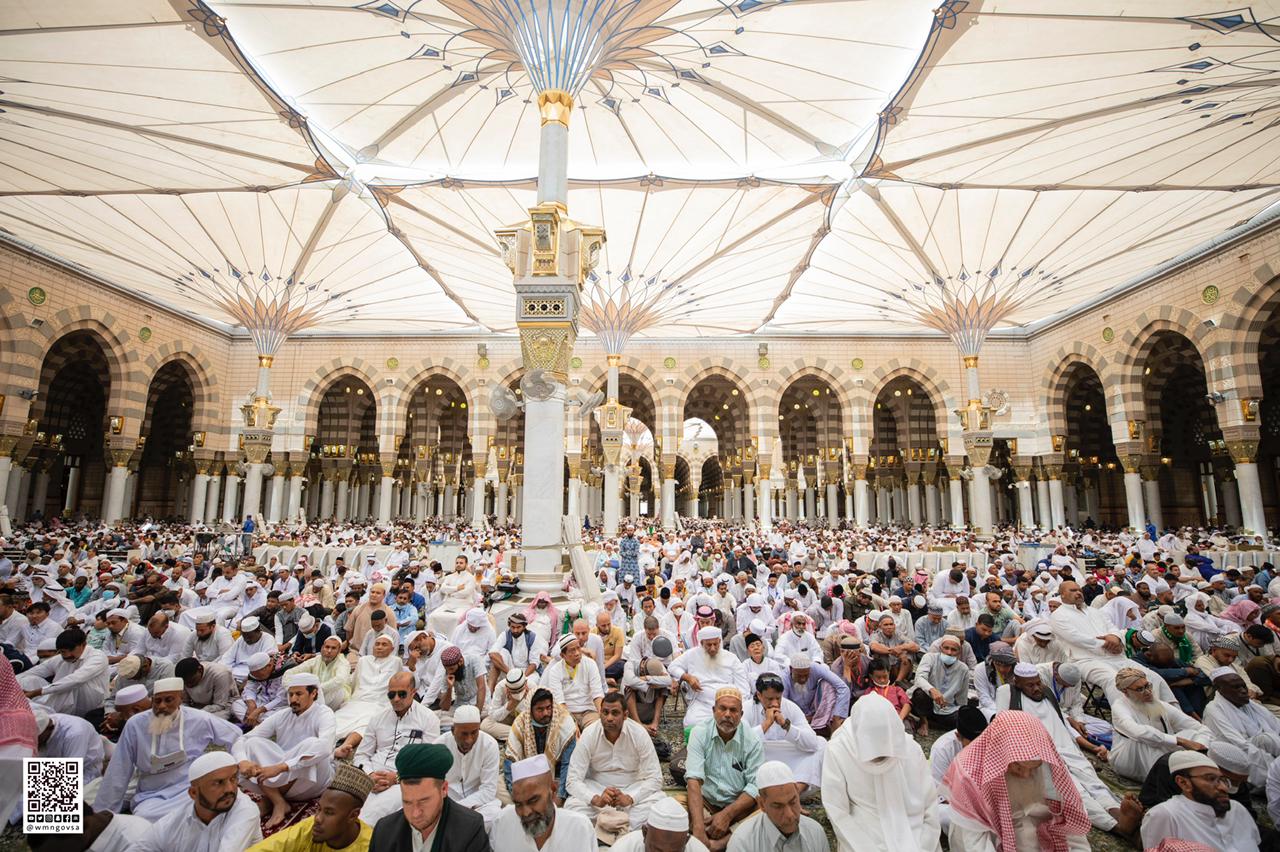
point(706, 634)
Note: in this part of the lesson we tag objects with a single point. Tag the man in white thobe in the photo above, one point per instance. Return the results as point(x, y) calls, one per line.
point(1146, 727)
point(550, 829)
point(705, 669)
point(575, 682)
point(253, 640)
point(61, 735)
point(1094, 643)
point(158, 744)
point(209, 641)
point(289, 756)
point(217, 818)
point(474, 635)
point(1027, 693)
point(473, 778)
point(614, 765)
point(1204, 813)
point(1235, 718)
point(786, 734)
point(163, 640)
point(123, 636)
point(404, 722)
point(73, 681)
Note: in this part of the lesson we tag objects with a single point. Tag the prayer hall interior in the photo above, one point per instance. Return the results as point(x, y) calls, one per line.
point(766, 426)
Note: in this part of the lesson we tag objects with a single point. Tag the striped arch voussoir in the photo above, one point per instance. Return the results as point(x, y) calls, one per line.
point(128, 379)
point(206, 396)
point(926, 376)
point(326, 375)
point(1053, 388)
point(1135, 344)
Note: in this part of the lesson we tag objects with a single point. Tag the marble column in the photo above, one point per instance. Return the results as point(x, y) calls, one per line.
point(501, 508)
point(1043, 515)
point(213, 501)
point(766, 498)
point(231, 497)
point(748, 502)
point(810, 509)
point(342, 500)
point(199, 492)
point(1133, 490)
point(793, 502)
point(861, 496)
point(252, 502)
point(980, 500)
point(1026, 513)
point(23, 499)
point(294, 504)
point(957, 502)
point(833, 502)
point(1057, 506)
point(40, 494)
point(1151, 493)
point(275, 505)
point(1231, 499)
point(450, 501)
point(517, 487)
point(388, 464)
point(72, 495)
point(1245, 455)
point(422, 506)
point(478, 496)
point(114, 499)
point(932, 507)
point(406, 499)
point(914, 515)
point(692, 504)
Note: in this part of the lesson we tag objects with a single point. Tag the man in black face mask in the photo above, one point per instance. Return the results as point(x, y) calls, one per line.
point(1204, 813)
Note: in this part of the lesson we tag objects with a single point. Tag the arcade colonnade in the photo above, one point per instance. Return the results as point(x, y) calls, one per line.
point(1127, 432)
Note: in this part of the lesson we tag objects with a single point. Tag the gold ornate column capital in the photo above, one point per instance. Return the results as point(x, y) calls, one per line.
point(977, 446)
point(1131, 462)
point(555, 106)
point(1052, 470)
point(1022, 472)
point(8, 443)
point(858, 470)
point(1149, 470)
point(765, 467)
point(1243, 451)
point(121, 457)
point(202, 467)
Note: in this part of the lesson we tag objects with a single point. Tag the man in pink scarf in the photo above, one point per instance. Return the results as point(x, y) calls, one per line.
point(17, 738)
point(1011, 783)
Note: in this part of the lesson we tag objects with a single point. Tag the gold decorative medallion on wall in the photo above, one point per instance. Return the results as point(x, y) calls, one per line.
point(857, 363)
point(483, 362)
point(1108, 334)
point(575, 362)
point(37, 296)
point(393, 363)
point(763, 363)
point(669, 362)
point(144, 334)
point(1209, 294)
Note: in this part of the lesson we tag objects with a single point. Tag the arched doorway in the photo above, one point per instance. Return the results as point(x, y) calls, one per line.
point(905, 452)
point(1091, 451)
point(347, 446)
point(1196, 484)
point(1269, 416)
point(165, 468)
point(719, 403)
point(436, 438)
point(66, 465)
point(809, 418)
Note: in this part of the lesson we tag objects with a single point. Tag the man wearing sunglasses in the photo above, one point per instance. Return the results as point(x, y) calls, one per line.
point(1204, 813)
point(405, 722)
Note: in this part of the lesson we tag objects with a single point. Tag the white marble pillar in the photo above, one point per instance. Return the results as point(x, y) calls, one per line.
point(1043, 516)
point(213, 500)
point(766, 502)
point(833, 502)
point(518, 503)
point(275, 505)
point(40, 494)
point(1090, 498)
point(1132, 496)
point(384, 499)
point(501, 508)
point(612, 500)
point(957, 502)
point(113, 502)
point(668, 504)
point(1057, 508)
point(635, 505)
point(328, 498)
point(199, 493)
point(252, 502)
point(450, 502)
point(931, 506)
point(24, 494)
point(72, 495)
point(231, 498)
point(980, 500)
point(810, 509)
point(691, 510)
point(294, 503)
point(342, 500)
point(9, 493)
point(423, 503)
point(543, 502)
point(1250, 490)
point(862, 502)
point(748, 502)
point(793, 503)
point(1026, 512)
point(130, 494)
point(914, 515)
point(406, 500)
point(1073, 504)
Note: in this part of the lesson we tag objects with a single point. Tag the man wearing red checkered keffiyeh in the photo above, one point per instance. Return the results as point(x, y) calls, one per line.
point(1010, 782)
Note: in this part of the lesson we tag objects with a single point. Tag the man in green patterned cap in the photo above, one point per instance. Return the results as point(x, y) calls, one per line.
point(429, 821)
point(336, 825)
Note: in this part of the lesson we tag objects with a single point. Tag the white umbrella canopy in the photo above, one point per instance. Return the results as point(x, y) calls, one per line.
point(964, 261)
point(1098, 93)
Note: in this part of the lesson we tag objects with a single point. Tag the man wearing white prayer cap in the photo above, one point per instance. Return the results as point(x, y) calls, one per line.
point(702, 670)
point(263, 692)
point(209, 641)
point(1203, 813)
point(1234, 717)
point(474, 635)
point(1027, 693)
point(532, 822)
point(473, 778)
point(289, 756)
point(213, 815)
point(666, 831)
point(575, 682)
point(158, 744)
point(63, 735)
point(780, 823)
point(253, 640)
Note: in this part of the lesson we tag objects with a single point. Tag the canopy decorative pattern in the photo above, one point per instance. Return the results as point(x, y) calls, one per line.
point(760, 165)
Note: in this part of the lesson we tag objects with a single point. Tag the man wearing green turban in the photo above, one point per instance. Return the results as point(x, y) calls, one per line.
point(430, 821)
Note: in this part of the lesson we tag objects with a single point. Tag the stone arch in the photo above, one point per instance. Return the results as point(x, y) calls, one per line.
point(924, 375)
point(1053, 388)
point(207, 398)
point(20, 356)
point(830, 373)
point(724, 368)
point(128, 382)
point(313, 390)
point(641, 371)
point(455, 371)
point(1134, 346)
point(1250, 312)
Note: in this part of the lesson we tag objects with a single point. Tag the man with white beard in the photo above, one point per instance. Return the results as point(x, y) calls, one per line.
point(159, 744)
point(1235, 718)
point(1146, 727)
point(208, 641)
point(289, 756)
point(1027, 693)
point(705, 669)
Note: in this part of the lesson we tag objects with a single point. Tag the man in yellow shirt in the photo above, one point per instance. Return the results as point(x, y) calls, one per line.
point(336, 825)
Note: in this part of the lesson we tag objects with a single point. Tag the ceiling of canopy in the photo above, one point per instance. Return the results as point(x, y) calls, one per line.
point(824, 166)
